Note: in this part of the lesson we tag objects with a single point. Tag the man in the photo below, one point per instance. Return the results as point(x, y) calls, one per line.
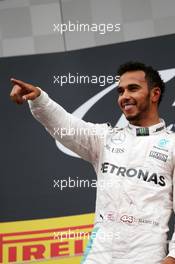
point(136, 163)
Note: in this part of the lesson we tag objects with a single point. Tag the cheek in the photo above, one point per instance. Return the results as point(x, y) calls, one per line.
point(118, 101)
point(145, 98)
point(140, 98)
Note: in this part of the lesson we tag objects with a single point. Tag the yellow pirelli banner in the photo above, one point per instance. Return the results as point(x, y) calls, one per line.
point(54, 240)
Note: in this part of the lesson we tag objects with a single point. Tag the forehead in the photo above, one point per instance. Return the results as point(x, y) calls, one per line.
point(137, 77)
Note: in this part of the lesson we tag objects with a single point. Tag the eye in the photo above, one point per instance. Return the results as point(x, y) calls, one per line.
point(120, 91)
point(133, 88)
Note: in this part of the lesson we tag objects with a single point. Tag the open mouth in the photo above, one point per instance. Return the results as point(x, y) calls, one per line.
point(128, 106)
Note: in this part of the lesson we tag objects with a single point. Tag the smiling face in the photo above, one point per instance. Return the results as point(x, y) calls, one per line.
point(135, 98)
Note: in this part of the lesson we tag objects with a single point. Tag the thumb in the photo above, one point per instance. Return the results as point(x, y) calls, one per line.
point(30, 96)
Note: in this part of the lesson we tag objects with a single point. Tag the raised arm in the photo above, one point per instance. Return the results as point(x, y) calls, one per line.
point(84, 138)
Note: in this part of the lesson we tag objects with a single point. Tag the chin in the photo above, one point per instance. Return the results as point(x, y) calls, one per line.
point(132, 117)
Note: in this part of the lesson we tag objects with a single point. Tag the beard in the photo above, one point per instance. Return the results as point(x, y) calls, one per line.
point(142, 112)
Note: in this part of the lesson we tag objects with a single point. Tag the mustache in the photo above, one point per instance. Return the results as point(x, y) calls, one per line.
point(128, 101)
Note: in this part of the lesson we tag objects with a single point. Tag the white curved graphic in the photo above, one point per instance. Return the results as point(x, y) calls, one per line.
point(167, 75)
point(82, 110)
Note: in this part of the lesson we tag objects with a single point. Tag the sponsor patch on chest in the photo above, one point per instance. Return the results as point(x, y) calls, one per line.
point(157, 155)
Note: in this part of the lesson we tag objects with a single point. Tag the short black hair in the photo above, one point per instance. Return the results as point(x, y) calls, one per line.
point(151, 75)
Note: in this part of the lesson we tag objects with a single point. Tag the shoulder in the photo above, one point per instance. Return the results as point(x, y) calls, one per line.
point(170, 134)
point(170, 131)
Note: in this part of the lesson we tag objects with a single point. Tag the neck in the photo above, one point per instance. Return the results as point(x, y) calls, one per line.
point(146, 122)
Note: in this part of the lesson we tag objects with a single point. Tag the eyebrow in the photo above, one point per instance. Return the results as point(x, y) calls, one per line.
point(130, 85)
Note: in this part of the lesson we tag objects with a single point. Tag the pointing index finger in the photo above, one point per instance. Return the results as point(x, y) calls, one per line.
point(21, 83)
point(18, 81)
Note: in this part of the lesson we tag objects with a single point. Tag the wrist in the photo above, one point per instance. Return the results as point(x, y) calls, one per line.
point(169, 260)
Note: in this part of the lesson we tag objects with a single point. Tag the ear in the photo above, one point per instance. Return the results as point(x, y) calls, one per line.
point(155, 94)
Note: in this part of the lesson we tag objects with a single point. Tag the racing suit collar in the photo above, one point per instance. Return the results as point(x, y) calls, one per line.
point(146, 131)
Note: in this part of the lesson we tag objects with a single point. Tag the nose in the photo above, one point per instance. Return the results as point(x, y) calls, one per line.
point(125, 95)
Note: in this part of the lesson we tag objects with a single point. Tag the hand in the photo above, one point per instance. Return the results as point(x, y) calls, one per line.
point(169, 260)
point(22, 91)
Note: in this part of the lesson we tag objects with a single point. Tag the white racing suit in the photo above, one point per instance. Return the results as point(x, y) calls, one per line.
point(135, 172)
